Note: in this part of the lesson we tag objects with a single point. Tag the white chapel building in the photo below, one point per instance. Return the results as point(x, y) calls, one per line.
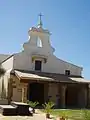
point(36, 74)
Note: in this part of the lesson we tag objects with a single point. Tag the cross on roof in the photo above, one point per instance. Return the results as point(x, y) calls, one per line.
point(40, 20)
point(40, 15)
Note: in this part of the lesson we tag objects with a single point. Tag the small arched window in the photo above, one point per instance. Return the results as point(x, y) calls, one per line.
point(39, 42)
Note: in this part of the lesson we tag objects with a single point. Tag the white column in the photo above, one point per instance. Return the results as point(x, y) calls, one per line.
point(24, 92)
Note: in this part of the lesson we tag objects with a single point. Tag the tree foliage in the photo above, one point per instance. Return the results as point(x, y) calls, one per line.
point(2, 71)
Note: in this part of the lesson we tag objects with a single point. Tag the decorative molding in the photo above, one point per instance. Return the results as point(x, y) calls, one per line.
point(41, 30)
point(44, 58)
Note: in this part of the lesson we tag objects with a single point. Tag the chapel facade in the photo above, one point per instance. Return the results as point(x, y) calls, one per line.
point(36, 74)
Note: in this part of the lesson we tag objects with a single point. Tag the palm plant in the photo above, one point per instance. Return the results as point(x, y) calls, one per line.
point(33, 105)
point(63, 115)
point(48, 106)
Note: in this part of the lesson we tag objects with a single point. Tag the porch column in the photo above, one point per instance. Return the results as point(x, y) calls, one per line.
point(83, 97)
point(63, 95)
point(88, 104)
point(46, 88)
point(24, 92)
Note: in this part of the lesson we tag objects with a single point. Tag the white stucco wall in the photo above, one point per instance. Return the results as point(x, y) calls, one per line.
point(55, 65)
point(8, 64)
point(23, 60)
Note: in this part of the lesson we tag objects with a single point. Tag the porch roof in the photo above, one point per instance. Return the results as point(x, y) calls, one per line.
point(50, 77)
point(79, 80)
point(30, 76)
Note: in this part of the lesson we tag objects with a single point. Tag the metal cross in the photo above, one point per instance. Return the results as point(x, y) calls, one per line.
point(40, 15)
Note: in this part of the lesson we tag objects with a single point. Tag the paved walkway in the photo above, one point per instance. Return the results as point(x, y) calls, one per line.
point(37, 116)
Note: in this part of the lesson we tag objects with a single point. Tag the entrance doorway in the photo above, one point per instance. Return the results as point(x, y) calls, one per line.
point(36, 92)
point(72, 96)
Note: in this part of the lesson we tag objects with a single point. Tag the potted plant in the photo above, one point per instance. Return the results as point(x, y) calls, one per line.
point(62, 118)
point(63, 115)
point(48, 106)
point(33, 105)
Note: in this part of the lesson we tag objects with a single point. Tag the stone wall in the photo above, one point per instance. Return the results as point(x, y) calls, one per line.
point(52, 92)
point(19, 90)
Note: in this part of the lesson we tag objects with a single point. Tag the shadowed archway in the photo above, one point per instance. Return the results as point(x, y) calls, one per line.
point(72, 96)
point(36, 92)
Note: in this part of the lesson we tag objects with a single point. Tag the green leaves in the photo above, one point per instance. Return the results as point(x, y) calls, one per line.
point(48, 106)
point(33, 104)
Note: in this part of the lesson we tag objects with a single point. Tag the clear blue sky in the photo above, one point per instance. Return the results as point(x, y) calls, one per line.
point(67, 20)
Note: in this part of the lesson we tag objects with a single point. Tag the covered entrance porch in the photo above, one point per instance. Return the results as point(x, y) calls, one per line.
point(64, 92)
point(69, 95)
point(32, 87)
point(76, 96)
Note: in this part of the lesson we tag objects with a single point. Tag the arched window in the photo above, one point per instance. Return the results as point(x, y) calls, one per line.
point(39, 42)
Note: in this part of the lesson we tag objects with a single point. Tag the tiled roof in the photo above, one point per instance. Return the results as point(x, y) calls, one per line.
point(53, 77)
point(3, 57)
